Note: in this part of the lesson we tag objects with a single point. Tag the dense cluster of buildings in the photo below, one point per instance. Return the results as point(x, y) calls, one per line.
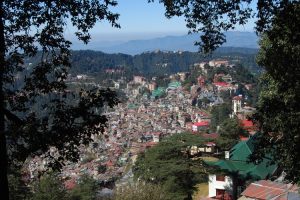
point(153, 112)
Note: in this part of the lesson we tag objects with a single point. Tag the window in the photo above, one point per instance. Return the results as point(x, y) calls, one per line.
point(220, 193)
point(220, 178)
point(223, 195)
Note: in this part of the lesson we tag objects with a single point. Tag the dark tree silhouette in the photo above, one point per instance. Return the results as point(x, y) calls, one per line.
point(278, 111)
point(64, 119)
point(278, 24)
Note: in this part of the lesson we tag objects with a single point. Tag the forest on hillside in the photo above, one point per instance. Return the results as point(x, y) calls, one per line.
point(153, 63)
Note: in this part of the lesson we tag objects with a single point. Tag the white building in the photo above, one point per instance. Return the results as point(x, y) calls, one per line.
point(218, 63)
point(156, 136)
point(237, 104)
point(139, 79)
point(117, 85)
point(218, 184)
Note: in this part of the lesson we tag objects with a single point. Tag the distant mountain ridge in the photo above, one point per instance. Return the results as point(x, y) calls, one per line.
point(179, 43)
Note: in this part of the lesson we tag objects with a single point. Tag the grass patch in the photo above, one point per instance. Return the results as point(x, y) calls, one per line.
point(202, 191)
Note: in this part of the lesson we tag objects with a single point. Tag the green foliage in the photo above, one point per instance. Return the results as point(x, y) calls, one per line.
point(49, 187)
point(42, 111)
point(18, 189)
point(242, 74)
point(169, 164)
point(227, 97)
point(88, 158)
point(162, 81)
point(278, 111)
point(66, 119)
point(147, 64)
point(140, 191)
point(230, 132)
point(219, 114)
point(85, 189)
point(102, 169)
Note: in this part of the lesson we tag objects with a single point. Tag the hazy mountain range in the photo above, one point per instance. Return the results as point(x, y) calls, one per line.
point(172, 43)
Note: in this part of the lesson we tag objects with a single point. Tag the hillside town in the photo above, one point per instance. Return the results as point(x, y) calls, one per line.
point(149, 100)
point(152, 112)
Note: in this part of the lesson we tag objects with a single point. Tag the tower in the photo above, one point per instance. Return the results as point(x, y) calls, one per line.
point(237, 104)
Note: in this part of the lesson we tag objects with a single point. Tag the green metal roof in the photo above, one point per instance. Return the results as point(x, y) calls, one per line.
point(158, 92)
point(174, 84)
point(238, 162)
point(244, 169)
point(242, 150)
point(132, 106)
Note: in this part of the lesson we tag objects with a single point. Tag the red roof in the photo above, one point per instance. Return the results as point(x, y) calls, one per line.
point(210, 144)
point(205, 123)
point(240, 97)
point(247, 123)
point(242, 138)
point(268, 190)
point(150, 144)
point(109, 163)
point(221, 84)
point(70, 184)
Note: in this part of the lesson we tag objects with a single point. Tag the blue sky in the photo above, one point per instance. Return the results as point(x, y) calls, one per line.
point(141, 20)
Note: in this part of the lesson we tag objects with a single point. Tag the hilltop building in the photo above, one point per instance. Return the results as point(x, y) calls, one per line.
point(139, 79)
point(237, 104)
point(152, 86)
point(218, 63)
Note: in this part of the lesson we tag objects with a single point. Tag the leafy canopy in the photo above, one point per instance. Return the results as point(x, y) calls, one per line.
point(49, 187)
point(86, 189)
point(278, 113)
point(65, 119)
point(230, 132)
point(140, 191)
point(169, 164)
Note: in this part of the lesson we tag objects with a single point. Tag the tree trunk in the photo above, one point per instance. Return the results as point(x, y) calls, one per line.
point(3, 152)
point(234, 186)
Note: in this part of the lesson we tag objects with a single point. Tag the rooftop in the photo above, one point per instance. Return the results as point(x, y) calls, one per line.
point(247, 123)
point(265, 189)
point(238, 162)
point(205, 123)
